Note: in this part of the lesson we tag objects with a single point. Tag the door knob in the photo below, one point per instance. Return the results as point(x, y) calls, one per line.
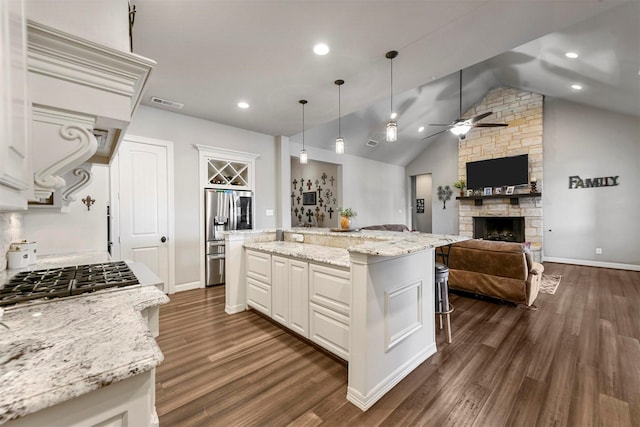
point(163, 239)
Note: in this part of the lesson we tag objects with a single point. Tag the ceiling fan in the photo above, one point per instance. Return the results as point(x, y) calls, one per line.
point(460, 127)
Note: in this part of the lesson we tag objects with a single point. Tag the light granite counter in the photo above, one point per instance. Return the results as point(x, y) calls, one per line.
point(65, 348)
point(324, 254)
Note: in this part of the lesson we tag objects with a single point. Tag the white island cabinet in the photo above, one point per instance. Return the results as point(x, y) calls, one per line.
point(370, 297)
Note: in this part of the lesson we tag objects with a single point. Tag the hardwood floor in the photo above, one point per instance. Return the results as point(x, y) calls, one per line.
point(573, 362)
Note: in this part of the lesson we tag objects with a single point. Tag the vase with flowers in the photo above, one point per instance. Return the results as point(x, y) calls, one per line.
point(345, 217)
point(460, 184)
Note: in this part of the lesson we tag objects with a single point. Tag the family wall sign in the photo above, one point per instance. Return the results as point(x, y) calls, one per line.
point(604, 181)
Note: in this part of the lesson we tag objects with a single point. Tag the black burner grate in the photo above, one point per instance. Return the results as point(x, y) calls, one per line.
point(65, 281)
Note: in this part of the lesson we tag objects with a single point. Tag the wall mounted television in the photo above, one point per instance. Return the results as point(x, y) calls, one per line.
point(498, 172)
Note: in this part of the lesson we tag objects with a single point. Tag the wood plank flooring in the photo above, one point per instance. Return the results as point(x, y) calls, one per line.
point(573, 362)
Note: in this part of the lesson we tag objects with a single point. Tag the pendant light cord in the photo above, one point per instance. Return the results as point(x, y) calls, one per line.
point(391, 87)
point(303, 126)
point(339, 113)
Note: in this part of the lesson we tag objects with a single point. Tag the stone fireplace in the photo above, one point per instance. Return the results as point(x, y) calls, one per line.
point(522, 111)
point(500, 228)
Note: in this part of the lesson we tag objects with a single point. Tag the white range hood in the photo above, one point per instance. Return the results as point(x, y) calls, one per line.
point(83, 95)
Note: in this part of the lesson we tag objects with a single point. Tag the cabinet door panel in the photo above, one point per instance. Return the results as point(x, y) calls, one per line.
point(330, 287)
point(330, 330)
point(280, 289)
point(299, 297)
point(259, 296)
point(259, 266)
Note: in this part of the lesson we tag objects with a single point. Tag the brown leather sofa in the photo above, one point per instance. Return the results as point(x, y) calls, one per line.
point(387, 227)
point(500, 270)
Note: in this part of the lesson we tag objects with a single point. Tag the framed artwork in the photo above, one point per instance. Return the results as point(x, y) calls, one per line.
point(419, 205)
point(309, 198)
point(469, 193)
point(510, 189)
point(487, 191)
point(497, 190)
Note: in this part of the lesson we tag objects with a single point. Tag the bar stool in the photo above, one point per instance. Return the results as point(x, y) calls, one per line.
point(443, 307)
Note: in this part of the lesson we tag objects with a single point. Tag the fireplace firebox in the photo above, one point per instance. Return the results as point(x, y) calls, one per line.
point(501, 228)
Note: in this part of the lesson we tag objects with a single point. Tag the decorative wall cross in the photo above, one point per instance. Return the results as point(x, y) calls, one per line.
point(292, 196)
point(330, 212)
point(332, 179)
point(309, 184)
point(317, 184)
point(324, 177)
point(319, 191)
point(295, 211)
point(295, 183)
point(309, 214)
point(320, 201)
point(298, 199)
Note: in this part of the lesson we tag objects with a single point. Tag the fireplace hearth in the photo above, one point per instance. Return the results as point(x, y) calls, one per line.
point(500, 228)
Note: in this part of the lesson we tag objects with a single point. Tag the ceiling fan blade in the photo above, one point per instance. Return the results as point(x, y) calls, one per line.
point(437, 133)
point(439, 124)
point(489, 125)
point(481, 116)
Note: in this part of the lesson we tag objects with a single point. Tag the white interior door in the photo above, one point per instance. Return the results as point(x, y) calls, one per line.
point(144, 205)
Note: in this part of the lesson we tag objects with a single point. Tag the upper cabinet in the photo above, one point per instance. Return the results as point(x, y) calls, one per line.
point(227, 169)
point(83, 95)
point(15, 162)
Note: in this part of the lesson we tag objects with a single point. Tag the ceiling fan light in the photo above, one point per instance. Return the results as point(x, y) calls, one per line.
point(304, 157)
point(392, 131)
point(339, 145)
point(460, 129)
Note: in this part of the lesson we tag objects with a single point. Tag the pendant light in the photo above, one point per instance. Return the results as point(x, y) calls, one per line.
point(392, 126)
point(339, 139)
point(304, 157)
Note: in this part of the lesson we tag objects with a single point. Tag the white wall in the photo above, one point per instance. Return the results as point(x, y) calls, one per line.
point(79, 229)
point(590, 142)
point(102, 21)
point(440, 159)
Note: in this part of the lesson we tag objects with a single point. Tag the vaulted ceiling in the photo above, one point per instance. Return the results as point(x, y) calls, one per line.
point(213, 54)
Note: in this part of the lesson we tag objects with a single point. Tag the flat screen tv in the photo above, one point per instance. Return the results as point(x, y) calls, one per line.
point(498, 172)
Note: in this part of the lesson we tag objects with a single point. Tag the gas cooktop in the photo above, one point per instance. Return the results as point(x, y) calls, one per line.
point(65, 281)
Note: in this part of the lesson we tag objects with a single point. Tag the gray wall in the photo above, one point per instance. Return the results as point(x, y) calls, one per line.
point(440, 159)
point(589, 142)
point(186, 131)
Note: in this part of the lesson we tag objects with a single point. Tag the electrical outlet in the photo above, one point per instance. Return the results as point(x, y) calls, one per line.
point(269, 212)
point(598, 251)
point(297, 237)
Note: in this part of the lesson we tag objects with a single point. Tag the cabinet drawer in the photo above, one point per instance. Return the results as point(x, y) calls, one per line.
point(259, 266)
point(259, 296)
point(330, 330)
point(330, 287)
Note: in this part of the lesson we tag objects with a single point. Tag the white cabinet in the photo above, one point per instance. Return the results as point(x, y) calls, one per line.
point(290, 297)
point(15, 161)
point(329, 305)
point(259, 281)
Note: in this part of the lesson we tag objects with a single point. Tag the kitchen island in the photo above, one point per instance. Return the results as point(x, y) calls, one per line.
point(367, 296)
point(82, 360)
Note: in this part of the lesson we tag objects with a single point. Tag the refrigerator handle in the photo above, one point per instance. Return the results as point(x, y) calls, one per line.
point(233, 223)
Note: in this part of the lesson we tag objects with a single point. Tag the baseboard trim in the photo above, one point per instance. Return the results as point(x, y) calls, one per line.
point(365, 402)
point(589, 263)
point(233, 309)
point(187, 286)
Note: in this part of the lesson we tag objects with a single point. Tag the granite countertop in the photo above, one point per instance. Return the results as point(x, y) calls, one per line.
point(56, 351)
point(324, 254)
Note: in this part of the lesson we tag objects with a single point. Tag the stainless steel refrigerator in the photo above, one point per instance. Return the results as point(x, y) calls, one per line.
point(224, 210)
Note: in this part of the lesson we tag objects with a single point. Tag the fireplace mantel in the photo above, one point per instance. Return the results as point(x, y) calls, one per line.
point(514, 199)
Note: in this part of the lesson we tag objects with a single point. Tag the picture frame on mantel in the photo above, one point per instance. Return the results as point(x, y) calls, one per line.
point(510, 190)
point(487, 191)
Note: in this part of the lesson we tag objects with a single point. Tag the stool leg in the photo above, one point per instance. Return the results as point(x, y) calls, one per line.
point(449, 328)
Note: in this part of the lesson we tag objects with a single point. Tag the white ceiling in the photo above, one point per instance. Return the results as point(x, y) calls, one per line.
point(212, 54)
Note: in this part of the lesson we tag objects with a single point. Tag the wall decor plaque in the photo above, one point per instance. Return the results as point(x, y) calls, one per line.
point(309, 198)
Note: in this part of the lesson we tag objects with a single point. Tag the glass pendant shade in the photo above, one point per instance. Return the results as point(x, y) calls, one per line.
point(392, 131)
point(339, 145)
point(304, 157)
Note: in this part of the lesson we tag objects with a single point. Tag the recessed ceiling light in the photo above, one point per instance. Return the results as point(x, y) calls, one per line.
point(421, 128)
point(321, 49)
point(243, 104)
point(576, 86)
point(571, 55)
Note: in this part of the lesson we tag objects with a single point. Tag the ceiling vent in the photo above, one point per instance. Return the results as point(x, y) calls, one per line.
point(166, 102)
point(371, 143)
